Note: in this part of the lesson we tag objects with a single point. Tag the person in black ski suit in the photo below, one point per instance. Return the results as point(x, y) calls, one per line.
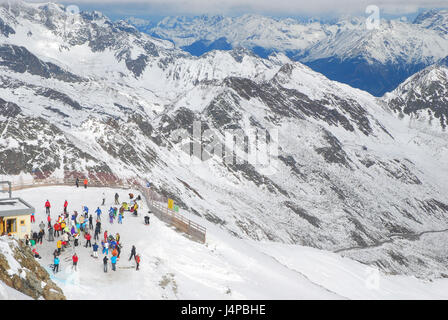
point(35, 237)
point(90, 222)
point(50, 234)
point(133, 251)
point(76, 241)
point(77, 182)
point(97, 231)
point(105, 259)
point(40, 236)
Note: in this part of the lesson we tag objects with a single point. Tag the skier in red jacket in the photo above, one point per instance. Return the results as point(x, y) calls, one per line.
point(137, 261)
point(65, 206)
point(88, 237)
point(57, 228)
point(75, 262)
point(47, 207)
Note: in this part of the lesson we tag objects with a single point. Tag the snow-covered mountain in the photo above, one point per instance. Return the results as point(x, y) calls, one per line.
point(249, 31)
point(85, 94)
point(423, 98)
point(141, 24)
point(434, 20)
point(375, 60)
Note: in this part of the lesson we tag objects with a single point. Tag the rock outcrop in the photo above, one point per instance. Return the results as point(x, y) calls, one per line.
point(22, 272)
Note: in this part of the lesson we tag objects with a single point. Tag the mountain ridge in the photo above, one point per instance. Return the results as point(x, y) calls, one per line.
point(344, 50)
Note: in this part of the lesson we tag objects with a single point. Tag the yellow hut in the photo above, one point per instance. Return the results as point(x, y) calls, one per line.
point(15, 215)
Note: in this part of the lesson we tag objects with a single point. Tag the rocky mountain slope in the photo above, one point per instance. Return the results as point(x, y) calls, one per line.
point(423, 98)
point(22, 272)
point(340, 170)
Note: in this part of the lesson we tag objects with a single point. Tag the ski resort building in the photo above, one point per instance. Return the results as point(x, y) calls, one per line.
point(14, 214)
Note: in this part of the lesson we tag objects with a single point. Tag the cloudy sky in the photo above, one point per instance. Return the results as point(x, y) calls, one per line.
point(270, 7)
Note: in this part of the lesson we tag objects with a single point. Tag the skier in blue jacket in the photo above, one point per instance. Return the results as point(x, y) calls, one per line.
point(56, 265)
point(105, 247)
point(95, 250)
point(113, 261)
point(98, 213)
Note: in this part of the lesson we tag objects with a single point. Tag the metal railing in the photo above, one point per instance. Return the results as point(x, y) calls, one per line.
point(177, 220)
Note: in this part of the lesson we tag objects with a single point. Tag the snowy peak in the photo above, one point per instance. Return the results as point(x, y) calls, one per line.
point(248, 30)
point(389, 44)
point(141, 25)
point(318, 40)
point(435, 20)
point(344, 50)
point(49, 31)
point(424, 97)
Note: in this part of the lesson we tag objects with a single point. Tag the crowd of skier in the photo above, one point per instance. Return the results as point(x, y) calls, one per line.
point(67, 231)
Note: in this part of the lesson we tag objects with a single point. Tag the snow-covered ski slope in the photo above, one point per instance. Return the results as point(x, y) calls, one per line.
point(174, 267)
